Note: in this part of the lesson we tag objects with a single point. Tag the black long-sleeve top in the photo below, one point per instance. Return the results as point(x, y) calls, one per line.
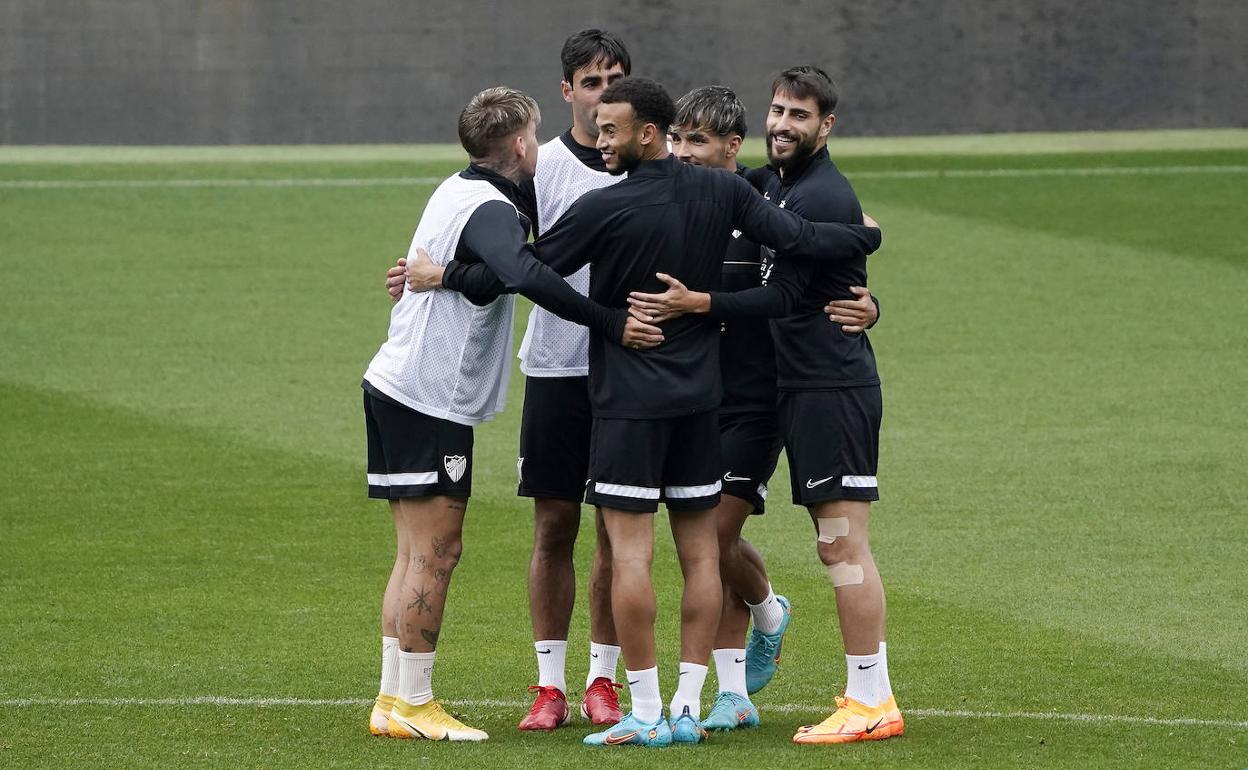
point(811, 353)
point(495, 237)
point(666, 217)
point(747, 357)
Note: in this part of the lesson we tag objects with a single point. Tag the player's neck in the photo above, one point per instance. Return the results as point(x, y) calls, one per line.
point(655, 151)
point(509, 170)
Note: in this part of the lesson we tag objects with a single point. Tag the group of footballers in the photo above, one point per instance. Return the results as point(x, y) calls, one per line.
point(680, 338)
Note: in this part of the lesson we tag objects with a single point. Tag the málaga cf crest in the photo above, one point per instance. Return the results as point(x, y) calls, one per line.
point(455, 465)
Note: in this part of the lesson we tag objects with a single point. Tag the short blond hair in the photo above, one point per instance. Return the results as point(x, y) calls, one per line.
point(493, 114)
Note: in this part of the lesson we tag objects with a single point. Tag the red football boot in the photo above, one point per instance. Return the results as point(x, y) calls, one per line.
point(601, 705)
point(550, 709)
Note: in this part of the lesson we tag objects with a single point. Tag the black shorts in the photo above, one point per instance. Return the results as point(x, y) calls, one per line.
point(832, 438)
point(414, 455)
point(554, 438)
point(750, 443)
point(636, 464)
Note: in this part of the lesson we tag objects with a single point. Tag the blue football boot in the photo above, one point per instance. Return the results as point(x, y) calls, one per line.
point(763, 652)
point(730, 712)
point(632, 732)
point(685, 729)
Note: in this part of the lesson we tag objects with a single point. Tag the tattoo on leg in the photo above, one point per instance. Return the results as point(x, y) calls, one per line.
point(418, 563)
point(442, 581)
point(456, 506)
point(431, 636)
point(421, 605)
point(439, 546)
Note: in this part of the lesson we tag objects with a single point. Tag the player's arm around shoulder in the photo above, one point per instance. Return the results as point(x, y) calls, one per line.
point(569, 243)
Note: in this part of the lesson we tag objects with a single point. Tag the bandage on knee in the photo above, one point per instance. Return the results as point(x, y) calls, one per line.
point(831, 529)
point(845, 574)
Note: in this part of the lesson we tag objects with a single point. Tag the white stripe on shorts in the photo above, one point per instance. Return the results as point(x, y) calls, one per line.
point(859, 481)
point(402, 479)
point(686, 493)
point(623, 490)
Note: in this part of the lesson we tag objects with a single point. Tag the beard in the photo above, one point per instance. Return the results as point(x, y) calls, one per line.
point(803, 148)
point(626, 159)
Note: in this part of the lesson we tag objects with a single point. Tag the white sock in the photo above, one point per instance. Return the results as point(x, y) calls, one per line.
point(884, 688)
point(551, 655)
point(689, 690)
point(602, 662)
point(861, 682)
point(730, 670)
point(389, 665)
point(416, 677)
point(767, 614)
point(644, 689)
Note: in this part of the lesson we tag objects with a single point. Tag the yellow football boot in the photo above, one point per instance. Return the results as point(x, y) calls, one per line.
point(853, 721)
point(893, 723)
point(378, 721)
point(429, 720)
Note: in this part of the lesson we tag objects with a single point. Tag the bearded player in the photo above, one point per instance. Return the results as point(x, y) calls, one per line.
point(830, 404)
point(708, 130)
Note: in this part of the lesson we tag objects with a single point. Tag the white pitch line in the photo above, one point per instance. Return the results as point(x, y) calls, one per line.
point(418, 181)
point(983, 173)
point(784, 708)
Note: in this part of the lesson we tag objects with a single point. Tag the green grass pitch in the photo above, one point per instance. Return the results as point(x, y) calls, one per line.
point(190, 573)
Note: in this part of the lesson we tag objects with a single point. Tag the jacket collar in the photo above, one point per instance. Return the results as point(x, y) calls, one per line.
point(500, 182)
point(659, 167)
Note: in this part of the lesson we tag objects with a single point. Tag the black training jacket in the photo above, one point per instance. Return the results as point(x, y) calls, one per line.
point(811, 352)
point(672, 218)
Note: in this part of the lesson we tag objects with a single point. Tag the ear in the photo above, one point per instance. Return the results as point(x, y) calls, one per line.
point(826, 127)
point(566, 88)
point(734, 146)
point(649, 132)
point(519, 145)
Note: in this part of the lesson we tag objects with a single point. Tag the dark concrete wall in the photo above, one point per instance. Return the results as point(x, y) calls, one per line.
point(311, 71)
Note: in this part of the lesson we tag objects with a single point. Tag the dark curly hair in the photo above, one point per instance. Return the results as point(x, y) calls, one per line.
point(649, 100)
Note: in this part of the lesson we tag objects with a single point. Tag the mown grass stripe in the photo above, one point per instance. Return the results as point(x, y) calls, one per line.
point(216, 700)
point(417, 181)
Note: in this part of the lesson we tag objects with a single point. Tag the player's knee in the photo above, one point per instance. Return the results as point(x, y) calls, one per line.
point(839, 542)
point(447, 551)
point(831, 553)
point(553, 541)
point(705, 564)
point(844, 549)
point(844, 556)
point(631, 560)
